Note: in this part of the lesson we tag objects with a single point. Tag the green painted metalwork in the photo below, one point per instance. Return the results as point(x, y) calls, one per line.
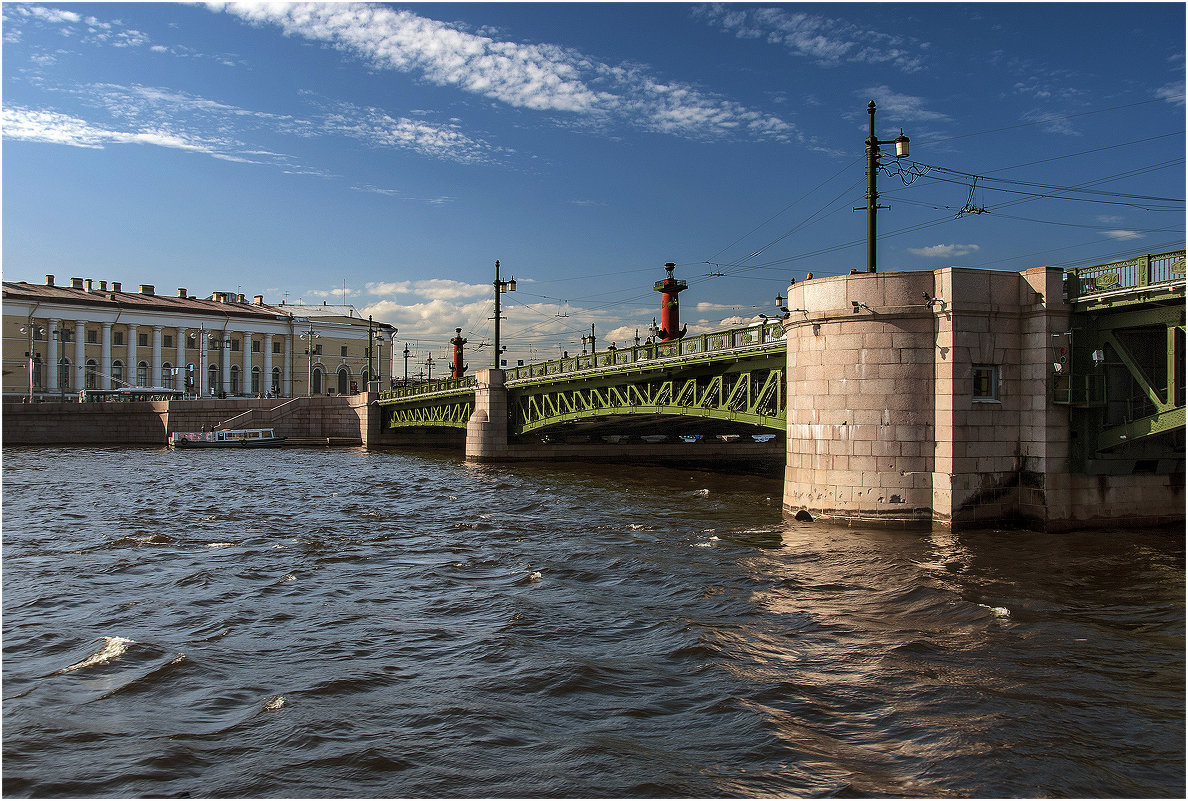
point(441, 404)
point(1124, 381)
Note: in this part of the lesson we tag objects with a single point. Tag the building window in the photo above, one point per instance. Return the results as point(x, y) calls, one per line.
point(316, 381)
point(117, 338)
point(212, 380)
point(234, 379)
point(255, 380)
point(276, 380)
point(142, 375)
point(92, 338)
point(142, 340)
point(234, 345)
point(344, 379)
point(276, 346)
point(91, 379)
point(343, 351)
point(167, 340)
point(255, 346)
point(318, 349)
point(66, 335)
point(167, 376)
point(117, 373)
point(63, 374)
point(986, 380)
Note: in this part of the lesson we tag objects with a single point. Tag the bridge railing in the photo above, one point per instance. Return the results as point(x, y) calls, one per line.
point(715, 341)
point(447, 385)
point(1150, 269)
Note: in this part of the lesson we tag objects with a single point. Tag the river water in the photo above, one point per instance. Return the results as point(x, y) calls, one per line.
point(343, 623)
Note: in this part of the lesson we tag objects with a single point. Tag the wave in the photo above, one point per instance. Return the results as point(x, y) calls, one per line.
point(113, 648)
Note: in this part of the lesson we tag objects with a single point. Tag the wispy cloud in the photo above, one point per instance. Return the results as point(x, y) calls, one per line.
point(944, 251)
point(1123, 235)
point(824, 40)
point(48, 126)
point(379, 129)
point(908, 108)
point(435, 288)
point(540, 77)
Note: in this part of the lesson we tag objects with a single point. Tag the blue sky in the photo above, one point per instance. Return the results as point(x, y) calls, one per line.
point(389, 154)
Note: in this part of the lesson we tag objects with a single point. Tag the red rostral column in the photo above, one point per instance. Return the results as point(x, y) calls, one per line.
point(459, 367)
point(670, 311)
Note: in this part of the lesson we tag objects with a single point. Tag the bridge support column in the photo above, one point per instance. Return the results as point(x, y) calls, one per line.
point(486, 431)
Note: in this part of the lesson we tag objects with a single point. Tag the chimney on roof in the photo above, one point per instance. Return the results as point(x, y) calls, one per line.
point(181, 291)
point(147, 289)
point(88, 283)
point(49, 280)
point(258, 300)
point(76, 283)
point(102, 286)
point(116, 286)
point(218, 297)
point(242, 299)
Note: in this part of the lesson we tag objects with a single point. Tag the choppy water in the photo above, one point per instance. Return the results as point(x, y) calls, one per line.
point(334, 623)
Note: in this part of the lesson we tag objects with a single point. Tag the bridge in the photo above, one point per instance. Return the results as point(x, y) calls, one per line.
point(988, 397)
point(728, 383)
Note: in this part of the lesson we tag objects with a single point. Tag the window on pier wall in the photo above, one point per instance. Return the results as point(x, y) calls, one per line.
point(986, 381)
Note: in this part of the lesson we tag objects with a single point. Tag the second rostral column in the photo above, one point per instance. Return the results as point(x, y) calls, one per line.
point(670, 307)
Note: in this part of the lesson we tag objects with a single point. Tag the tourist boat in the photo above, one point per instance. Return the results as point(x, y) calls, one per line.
point(230, 438)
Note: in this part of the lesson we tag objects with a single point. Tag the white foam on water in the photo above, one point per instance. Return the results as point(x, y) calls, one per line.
point(274, 703)
point(113, 648)
point(220, 545)
point(998, 611)
point(535, 576)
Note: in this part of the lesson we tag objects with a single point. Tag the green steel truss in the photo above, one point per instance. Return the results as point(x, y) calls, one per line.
point(1125, 382)
point(745, 389)
point(443, 404)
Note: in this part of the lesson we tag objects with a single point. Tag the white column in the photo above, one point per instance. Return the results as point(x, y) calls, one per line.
point(52, 327)
point(287, 374)
point(245, 382)
point(266, 379)
point(155, 380)
point(105, 358)
point(80, 355)
point(179, 381)
point(130, 370)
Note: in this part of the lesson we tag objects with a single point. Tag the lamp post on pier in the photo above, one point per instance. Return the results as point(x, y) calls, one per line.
point(429, 364)
point(406, 352)
point(34, 332)
point(590, 340)
point(500, 287)
point(872, 192)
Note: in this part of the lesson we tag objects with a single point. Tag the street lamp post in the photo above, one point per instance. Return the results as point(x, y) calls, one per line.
point(406, 352)
point(500, 287)
point(429, 364)
point(309, 336)
point(872, 192)
point(33, 332)
point(590, 340)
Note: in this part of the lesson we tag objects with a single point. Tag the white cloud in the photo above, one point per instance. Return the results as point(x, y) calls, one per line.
point(378, 129)
point(433, 288)
point(944, 251)
point(1172, 92)
point(1123, 235)
point(900, 107)
point(541, 77)
point(824, 40)
point(48, 126)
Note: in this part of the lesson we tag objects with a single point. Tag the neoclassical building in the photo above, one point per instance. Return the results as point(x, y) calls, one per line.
point(59, 340)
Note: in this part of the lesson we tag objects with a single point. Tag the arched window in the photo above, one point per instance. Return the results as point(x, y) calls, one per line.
point(64, 374)
point(344, 381)
point(315, 386)
point(212, 380)
point(117, 373)
point(142, 374)
point(255, 380)
point(364, 376)
point(235, 379)
point(92, 378)
point(276, 380)
point(167, 378)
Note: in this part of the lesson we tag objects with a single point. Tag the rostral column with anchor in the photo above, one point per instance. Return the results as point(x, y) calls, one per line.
point(459, 369)
point(670, 311)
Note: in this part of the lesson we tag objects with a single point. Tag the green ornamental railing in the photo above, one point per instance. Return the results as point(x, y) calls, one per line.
point(1151, 269)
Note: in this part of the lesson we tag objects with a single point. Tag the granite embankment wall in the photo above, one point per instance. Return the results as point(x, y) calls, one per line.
point(341, 420)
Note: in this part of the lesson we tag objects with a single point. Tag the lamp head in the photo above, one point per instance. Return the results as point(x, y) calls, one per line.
point(901, 145)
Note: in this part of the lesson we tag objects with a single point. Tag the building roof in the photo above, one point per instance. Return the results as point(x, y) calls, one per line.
point(146, 300)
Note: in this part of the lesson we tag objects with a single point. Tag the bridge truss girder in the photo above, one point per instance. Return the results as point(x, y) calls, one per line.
point(450, 411)
point(747, 391)
point(1126, 387)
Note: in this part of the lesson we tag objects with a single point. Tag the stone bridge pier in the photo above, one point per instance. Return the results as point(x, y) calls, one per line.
point(486, 430)
point(923, 399)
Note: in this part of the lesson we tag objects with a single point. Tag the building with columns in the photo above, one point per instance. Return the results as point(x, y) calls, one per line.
point(60, 340)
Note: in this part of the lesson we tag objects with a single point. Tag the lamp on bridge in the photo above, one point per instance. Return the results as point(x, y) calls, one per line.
point(872, 193)
point(429, 364)
point(406, 352)
point(500, 287)
point(590, 340)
